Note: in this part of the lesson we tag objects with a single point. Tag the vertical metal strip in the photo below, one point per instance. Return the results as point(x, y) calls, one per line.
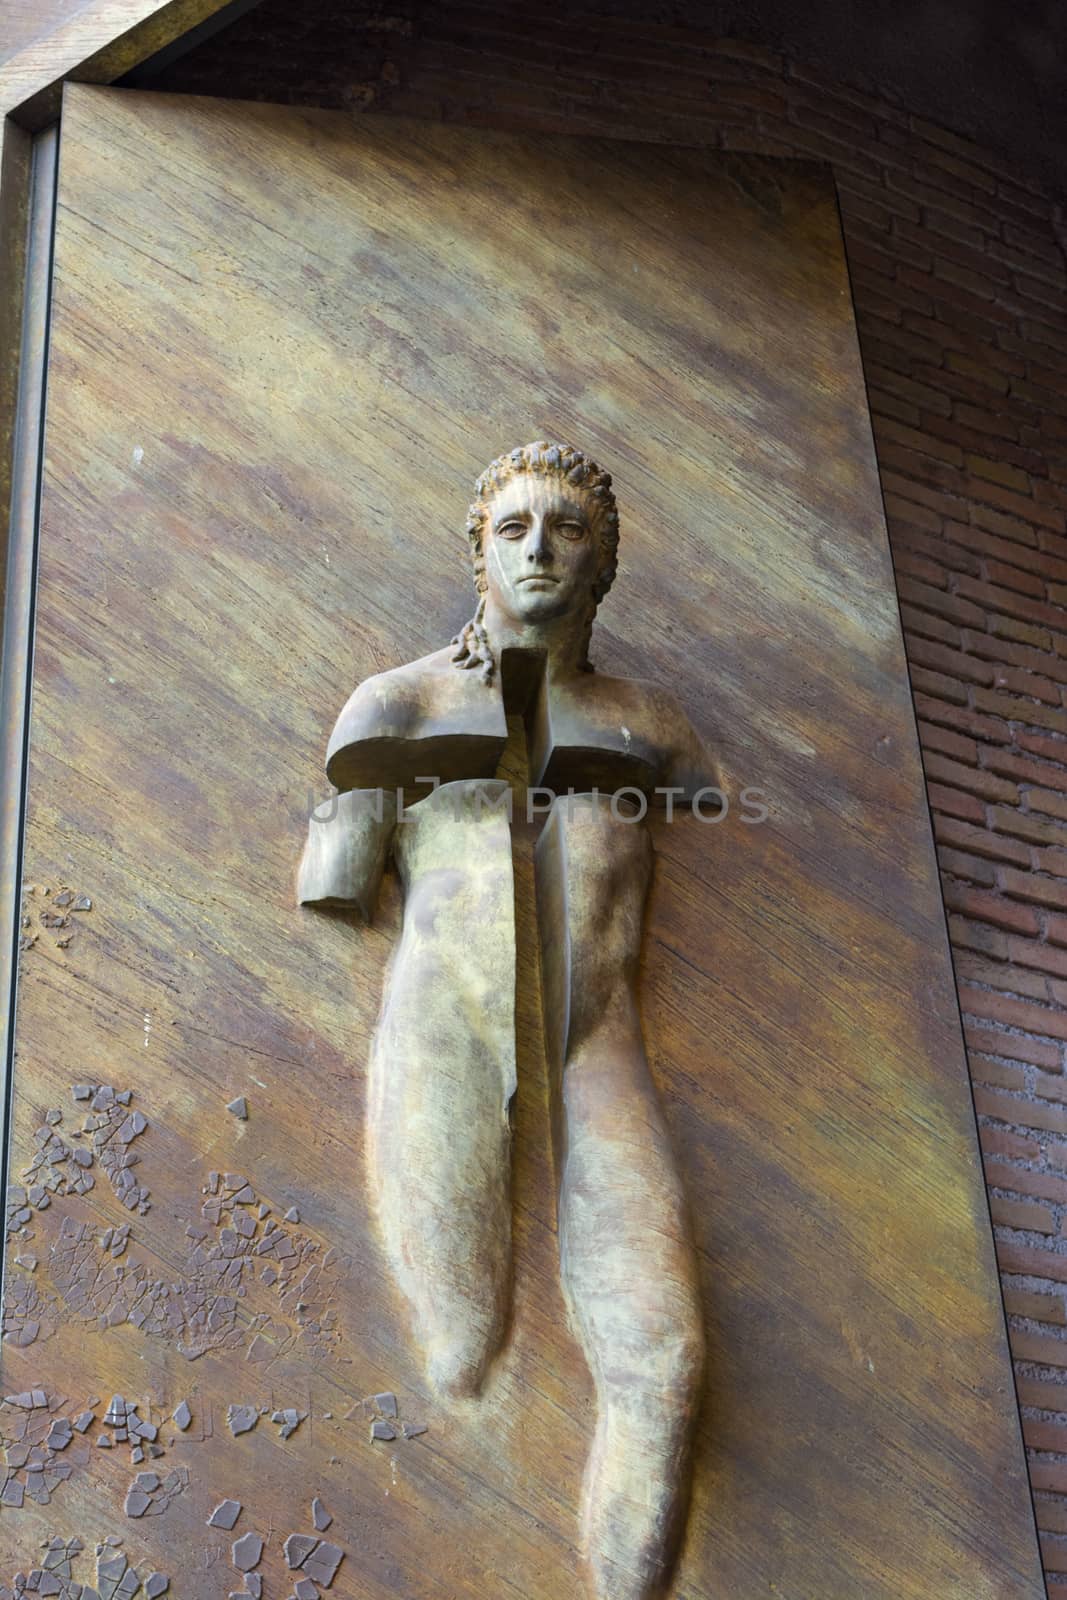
point(16, 666)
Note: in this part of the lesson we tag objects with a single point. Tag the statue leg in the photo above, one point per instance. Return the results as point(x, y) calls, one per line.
point(442, 1076)
point(626, 1253)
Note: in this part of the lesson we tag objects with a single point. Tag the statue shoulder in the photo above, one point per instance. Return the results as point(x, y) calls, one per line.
point(391, 703)
point(397, 719)
point(623, 730)
point(686, 761)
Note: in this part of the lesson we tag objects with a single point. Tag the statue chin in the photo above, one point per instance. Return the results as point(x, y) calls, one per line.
point(529, 606)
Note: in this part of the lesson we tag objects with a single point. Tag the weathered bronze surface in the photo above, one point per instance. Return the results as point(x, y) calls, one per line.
point(280, 340)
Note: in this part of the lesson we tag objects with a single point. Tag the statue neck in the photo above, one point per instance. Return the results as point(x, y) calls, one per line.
point(561, 642)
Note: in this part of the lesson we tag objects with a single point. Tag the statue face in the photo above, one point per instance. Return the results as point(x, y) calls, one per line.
point(542, 552)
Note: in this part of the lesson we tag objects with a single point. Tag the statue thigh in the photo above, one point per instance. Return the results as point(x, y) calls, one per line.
point(442, 1077)
point(626, 1255)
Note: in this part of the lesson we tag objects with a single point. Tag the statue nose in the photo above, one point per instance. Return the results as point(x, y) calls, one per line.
point(538, 547)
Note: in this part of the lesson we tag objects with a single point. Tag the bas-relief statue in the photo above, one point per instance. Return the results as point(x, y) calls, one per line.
point(544, 534)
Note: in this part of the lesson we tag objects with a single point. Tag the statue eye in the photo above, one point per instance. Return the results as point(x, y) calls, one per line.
point(572, 530)
point(511, 530)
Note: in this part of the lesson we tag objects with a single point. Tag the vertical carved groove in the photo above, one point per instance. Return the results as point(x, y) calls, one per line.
point(627, 1259)
point(442, 1076)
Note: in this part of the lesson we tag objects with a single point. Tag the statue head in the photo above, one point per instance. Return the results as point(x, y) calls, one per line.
point(544, 533)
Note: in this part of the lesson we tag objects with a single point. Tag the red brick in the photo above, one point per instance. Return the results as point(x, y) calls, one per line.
point(913, 566)
point(1050, 1475)
point(975, 280)
point(1021, 466)
point(994, 598)
point(1037, 890)
point(1014, 578)
point(1011, 527)
point(1016, 710)
point(947, 505)
point(871, 326)
point(959, 865)
point(1016, 505)
point(1021, 656)
point(1042, 245)
point(1030, 953)
point(1022, 825)
point(841, 151)
point(980, 841)
point(985, 907)
point(1048, 296)
point(1020, 1180)
point(947, 743)
point(1045, 1349)
point(1050, 1087)
point(1042, 1435)
point(997, 1074)
point(1048, 800)
point(1045, 1021)
point(891, 405)
point(973, 780)
point(977, 936)
point(1021, 680)
point(912, 513)
point(936, 686)
point(1048, 859)
point(956, 300)
point(964, 246)
point(989, 729)
point(1027, 772)
point(976, 966)
point(939, 658)
point(1034, 1052)
point(998, 471)
point(955, 803)
point(922, 443)
point(1047, 268)
point(1026, 1216)
point(1051, 1515)
point(1024, 632)
point(1022, 1113)
point(999, 1142)
point(923, 395)
point(1040, 745)
point(924, 625)
point(1044, 1394)
point(950, 480)
point(1032, 1260)
point(907, 535)
point(858, 212)
point(1027, 558)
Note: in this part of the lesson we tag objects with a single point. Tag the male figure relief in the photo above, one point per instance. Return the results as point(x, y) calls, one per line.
point(544, 535)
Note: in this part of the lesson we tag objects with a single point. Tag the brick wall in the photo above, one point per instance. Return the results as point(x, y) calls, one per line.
point(959, 282)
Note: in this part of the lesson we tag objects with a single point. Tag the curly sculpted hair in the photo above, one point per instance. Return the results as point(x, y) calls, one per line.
point(577, 471)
